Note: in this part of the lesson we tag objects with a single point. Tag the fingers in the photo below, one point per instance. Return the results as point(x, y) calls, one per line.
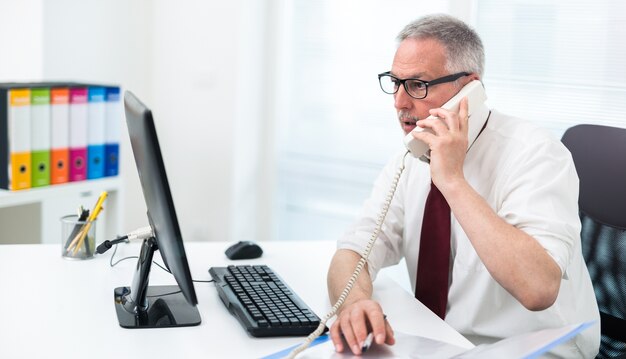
point(342, 333)
point(443, 122)
point(355, 322)
point(454, 121)
point(463, 114)
point(354, 330)
point(383, 333)
point(435, 124)
point(335, 336)
point(389, 338)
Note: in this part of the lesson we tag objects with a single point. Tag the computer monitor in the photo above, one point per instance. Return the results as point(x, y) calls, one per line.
point(140, 305)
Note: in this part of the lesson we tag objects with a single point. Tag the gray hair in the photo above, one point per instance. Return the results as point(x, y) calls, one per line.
point(464, 49)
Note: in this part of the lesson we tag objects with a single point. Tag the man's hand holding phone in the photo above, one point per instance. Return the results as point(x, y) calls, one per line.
point(475, 95)
point(448, 142)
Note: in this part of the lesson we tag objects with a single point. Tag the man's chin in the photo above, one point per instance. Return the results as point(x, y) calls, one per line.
point(407, 128)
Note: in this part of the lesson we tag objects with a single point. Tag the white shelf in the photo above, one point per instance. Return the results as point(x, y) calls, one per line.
point(33, 215)
point(34, 195)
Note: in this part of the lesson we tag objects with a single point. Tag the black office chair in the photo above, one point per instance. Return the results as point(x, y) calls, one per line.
point(599, 154)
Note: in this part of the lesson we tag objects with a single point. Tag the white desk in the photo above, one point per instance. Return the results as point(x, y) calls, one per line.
point(51, 307)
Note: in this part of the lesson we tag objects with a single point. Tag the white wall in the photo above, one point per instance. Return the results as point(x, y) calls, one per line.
point(180, 58)
point(109, 42)
point(21, 36)
point(195, 99)
point(254, 145)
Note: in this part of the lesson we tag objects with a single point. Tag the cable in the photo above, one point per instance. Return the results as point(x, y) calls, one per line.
point(141, 233)
point(136, 257)
point(106, 245)
point(359, 266)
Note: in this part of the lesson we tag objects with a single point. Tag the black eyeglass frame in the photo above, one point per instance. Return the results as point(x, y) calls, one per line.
point(441, 80)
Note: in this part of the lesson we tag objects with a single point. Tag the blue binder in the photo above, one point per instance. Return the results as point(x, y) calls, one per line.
point(95, 132)
point(113, 120)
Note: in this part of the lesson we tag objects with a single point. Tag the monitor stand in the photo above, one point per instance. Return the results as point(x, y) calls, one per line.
point(143, 306)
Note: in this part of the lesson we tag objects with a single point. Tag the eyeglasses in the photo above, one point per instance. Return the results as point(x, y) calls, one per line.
point(416, 88)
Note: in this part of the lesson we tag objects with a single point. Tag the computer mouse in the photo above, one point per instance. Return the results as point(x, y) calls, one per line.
point(244, 250)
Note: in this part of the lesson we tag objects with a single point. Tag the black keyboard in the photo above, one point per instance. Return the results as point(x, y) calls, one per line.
point(262, 302)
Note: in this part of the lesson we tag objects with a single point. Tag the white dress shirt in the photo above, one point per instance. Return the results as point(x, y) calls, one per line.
point(529, 179)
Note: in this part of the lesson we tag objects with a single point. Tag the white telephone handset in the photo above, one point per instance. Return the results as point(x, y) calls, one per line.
point(475, 93)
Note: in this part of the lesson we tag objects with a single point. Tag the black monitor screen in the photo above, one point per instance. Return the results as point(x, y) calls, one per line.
point(168, 310)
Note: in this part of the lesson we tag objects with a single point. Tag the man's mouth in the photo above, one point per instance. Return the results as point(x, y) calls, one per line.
point(407, 122)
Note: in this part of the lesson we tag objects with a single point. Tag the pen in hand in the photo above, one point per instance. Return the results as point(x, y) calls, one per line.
point(368, 342)
point(369, 339)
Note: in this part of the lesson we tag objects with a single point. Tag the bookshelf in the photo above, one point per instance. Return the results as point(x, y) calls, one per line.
point(33, 215)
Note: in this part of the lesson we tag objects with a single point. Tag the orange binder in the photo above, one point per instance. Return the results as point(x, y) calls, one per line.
point(60, 131)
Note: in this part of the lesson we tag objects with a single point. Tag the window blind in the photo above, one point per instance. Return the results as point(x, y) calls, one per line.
point(558, 63)
point(335, 128)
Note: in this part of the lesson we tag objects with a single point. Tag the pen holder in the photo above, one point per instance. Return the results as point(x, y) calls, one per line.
point(78, 238)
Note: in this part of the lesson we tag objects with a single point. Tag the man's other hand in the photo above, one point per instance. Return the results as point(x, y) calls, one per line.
point(355, 321)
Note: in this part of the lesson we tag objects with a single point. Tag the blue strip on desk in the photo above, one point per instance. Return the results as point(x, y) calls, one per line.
point(537, 353)
point(283, 353)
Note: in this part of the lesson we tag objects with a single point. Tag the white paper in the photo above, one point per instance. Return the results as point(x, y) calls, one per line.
point(528, 345)
point(407, 346)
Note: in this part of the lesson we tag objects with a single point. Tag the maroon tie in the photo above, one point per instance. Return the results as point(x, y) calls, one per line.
point(433, 263)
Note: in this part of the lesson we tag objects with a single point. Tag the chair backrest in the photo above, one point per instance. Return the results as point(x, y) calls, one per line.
point(599, 153)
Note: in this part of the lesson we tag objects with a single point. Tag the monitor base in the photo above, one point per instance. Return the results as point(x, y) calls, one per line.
point(167, 307)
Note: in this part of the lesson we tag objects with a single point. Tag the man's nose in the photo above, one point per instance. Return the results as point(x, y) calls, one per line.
point(402, 100)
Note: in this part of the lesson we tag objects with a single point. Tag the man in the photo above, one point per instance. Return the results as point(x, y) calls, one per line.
point(513, 261)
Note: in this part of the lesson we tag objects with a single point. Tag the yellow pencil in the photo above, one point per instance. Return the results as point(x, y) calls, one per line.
point(80, 237)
